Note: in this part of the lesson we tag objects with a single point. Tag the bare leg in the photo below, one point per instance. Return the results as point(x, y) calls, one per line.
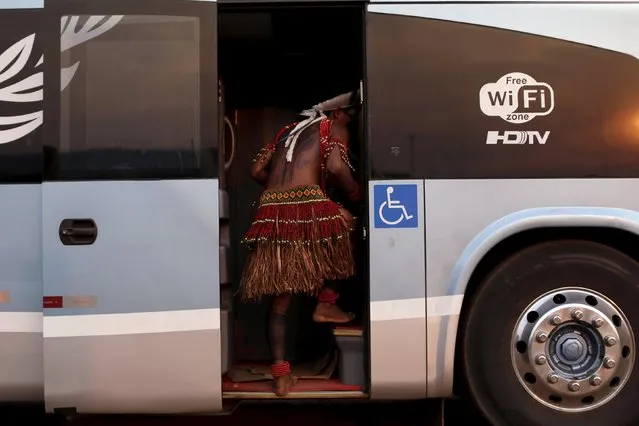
point(280, 369)
point(327, 310)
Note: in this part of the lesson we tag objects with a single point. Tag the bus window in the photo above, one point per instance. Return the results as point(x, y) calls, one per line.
point(130, 100)
point(428, 78)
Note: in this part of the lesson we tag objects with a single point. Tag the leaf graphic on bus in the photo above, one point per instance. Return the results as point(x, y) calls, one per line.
point(66, 75)
point(24, 124)
point(13, 60)
point(92, 28)
point(23, 91)
point(30, 89)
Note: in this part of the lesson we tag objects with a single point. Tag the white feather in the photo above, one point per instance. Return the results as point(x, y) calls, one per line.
point(292, 140)
point(312, 114)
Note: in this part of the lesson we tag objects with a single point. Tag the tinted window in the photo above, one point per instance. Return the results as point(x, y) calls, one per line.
point(131, 101)
point(424, 82)
point(21, 71)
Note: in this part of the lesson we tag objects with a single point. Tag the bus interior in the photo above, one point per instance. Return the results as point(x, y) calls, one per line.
point(273, 63)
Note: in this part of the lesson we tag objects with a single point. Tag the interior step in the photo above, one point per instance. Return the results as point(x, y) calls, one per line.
point(304, 389)
point(297, 395)
point(348, 331)
point(350, 343)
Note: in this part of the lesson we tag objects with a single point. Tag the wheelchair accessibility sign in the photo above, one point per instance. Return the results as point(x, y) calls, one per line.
point(395, 206)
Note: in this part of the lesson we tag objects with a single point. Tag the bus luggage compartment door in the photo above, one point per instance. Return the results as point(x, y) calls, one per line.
point(130, 209)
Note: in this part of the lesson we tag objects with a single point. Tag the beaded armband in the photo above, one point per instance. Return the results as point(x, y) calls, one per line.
point(329, 144)
point(268, 148)
point(343, 151)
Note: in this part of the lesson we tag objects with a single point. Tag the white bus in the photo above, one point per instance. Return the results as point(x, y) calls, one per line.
point(499, 249)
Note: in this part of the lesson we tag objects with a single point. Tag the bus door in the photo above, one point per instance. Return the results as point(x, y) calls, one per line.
point(20, 185)
point(130, 207)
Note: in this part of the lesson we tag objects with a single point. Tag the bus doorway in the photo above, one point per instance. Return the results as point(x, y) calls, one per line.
point(273, 63)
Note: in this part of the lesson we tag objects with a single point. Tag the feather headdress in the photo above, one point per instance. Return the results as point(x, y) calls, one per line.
point(317, 113)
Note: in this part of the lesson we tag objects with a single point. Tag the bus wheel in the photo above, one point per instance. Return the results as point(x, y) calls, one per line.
point(549, 338)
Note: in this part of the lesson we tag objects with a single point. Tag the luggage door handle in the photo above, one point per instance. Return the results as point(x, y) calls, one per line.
point(78, 232)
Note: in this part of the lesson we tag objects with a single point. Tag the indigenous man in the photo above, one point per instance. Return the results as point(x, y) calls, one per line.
point(299, 237)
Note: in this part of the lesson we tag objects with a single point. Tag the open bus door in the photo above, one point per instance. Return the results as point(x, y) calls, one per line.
point(130, 208)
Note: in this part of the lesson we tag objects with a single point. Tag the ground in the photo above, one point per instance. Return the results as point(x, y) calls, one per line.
point(419, 413)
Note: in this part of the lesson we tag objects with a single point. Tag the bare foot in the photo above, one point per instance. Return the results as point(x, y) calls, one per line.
point(329, 312)
point(284, 384)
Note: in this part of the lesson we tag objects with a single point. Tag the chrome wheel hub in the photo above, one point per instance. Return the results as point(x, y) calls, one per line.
point(573, 349)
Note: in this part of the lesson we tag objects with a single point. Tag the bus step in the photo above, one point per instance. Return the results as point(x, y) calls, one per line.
point(350, 344)
point(304, 389)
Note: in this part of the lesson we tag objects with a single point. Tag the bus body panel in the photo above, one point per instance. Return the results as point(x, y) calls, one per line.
point(450, 56)
point(471, 2)
point(397, 292)
point(480, 95)
point(514, 207)
point(139, 329)
point(21, 378)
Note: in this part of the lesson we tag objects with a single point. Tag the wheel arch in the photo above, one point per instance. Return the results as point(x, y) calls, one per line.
point(617, 228)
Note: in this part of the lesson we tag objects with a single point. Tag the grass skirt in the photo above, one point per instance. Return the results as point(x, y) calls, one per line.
point(297, 240)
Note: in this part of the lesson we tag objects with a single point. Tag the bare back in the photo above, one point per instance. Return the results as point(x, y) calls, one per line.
point(305, 167)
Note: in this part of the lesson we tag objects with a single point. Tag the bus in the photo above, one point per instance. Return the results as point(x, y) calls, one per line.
point(498, 245)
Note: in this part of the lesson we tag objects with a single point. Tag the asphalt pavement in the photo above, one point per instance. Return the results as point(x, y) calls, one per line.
point(417, 413)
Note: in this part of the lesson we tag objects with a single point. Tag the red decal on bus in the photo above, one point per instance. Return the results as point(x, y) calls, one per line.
point(52, 302)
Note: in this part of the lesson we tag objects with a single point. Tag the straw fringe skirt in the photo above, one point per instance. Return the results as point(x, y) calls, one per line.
point(297, 240)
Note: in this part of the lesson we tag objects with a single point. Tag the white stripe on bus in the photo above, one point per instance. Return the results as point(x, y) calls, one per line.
point(20, 322)
point(131, 323)
point(193, 320)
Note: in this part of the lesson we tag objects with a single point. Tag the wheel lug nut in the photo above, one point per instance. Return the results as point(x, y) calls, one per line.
point(609, 363)
point(577, 314)
point(597, 322)
point(574, 386)
point(541, 359)
point(555, 320)
point(595, 380)
point(542, 337)
point(553, 378)
point(610, 340)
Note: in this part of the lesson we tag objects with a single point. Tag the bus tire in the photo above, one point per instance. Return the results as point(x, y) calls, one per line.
point(573, 304)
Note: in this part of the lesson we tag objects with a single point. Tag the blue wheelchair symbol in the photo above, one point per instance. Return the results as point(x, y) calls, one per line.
point(395, 206)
